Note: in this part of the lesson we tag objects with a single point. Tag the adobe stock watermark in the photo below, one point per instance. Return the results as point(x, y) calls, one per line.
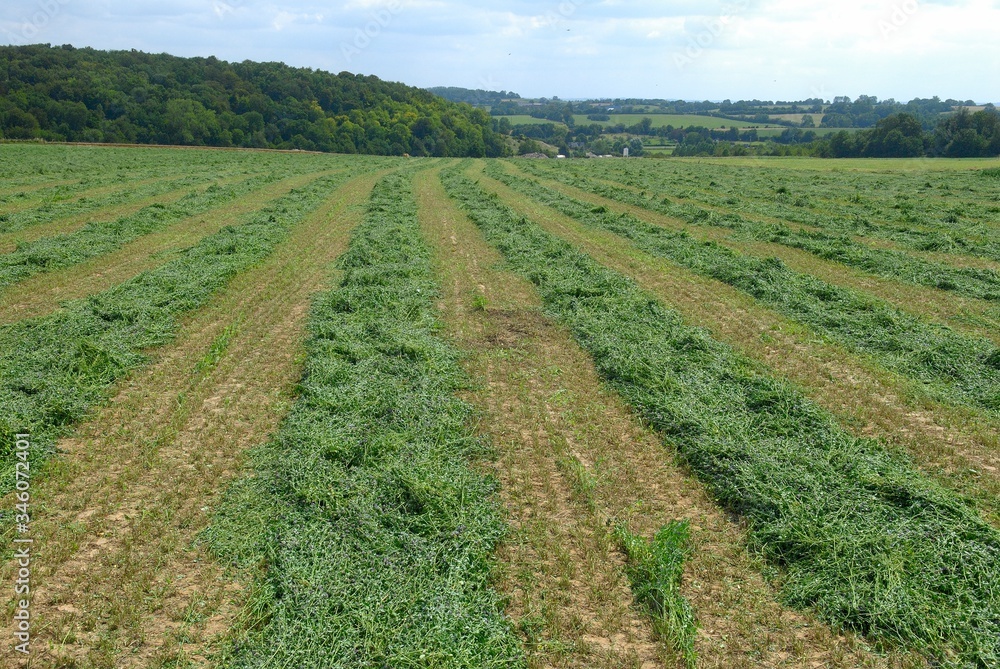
point(553, 18)
point(380, 19)
point(22, 543)
point(31, 26)
point(225, 7)
point(488, 83)
point(713, 30)
point(899, 17)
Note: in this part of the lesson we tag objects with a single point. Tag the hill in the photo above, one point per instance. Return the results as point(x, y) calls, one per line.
point(69, 94)
point(476, 98)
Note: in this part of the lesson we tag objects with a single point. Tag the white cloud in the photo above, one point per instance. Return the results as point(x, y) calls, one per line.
point(571, 48)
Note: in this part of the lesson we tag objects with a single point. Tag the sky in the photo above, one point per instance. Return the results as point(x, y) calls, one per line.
point(573, 49)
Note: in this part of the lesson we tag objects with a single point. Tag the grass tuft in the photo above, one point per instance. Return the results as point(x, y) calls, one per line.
point(655, 570)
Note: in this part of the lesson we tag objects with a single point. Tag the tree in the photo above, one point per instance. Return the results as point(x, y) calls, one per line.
point(896, 136)
point(188, 122)
point(18, 124)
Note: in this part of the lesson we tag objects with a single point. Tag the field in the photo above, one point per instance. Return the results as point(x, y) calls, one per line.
point(659, 121)
point(676, 120)
point(764, 130)
point(288, 409)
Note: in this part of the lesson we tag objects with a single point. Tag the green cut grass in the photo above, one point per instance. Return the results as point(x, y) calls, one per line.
point(51, 211)
point(860, 535)
point(948, 211)
point(977, 283)
point(373, 537)
point(54, 369)
point(97, 239)
point(655, 569)
point(950, 366)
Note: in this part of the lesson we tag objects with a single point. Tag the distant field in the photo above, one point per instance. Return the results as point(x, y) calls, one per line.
point(676, 120)
point(524, 119)
point(820, 132)
point(659, 121)
point(679, 121)
point(796, 118)
point(893, 166)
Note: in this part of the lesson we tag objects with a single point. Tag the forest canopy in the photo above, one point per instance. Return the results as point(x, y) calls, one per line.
point(69, 94)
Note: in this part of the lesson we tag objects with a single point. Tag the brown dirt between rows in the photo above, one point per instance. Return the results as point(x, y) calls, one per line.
point(121, 580)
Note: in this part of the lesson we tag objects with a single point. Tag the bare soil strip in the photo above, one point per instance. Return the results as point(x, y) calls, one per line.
point(954, 444)
point(68, 224)
point(43, 293)
point(547, 414)
point(120, 580)
point(962, 313)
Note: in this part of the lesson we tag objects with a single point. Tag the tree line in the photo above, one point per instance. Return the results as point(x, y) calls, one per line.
point(960, 134)
point(69, 94)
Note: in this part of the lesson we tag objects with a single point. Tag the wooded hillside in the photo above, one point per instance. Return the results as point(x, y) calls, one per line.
point(68, 94)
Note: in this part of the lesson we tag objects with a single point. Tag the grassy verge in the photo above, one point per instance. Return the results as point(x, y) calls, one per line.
point(951, 366)
point(54, 369)
point(375, 537)
point(858, 533)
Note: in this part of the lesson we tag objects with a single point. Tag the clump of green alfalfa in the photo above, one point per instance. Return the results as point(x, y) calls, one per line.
point(655, 569)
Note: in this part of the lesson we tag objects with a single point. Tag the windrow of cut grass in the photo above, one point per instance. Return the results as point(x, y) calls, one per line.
point(950, 366)
point(953, 215)
point(859, 534)
point(55, 368)
point(46, 213)
point(81, 191)
point(27, 166)
point(887, 263)
point(105, 172)
point(96, 239)
point(953, 209)
point(375, 537)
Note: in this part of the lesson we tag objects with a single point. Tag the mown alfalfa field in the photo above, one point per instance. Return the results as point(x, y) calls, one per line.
point(301, 410)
